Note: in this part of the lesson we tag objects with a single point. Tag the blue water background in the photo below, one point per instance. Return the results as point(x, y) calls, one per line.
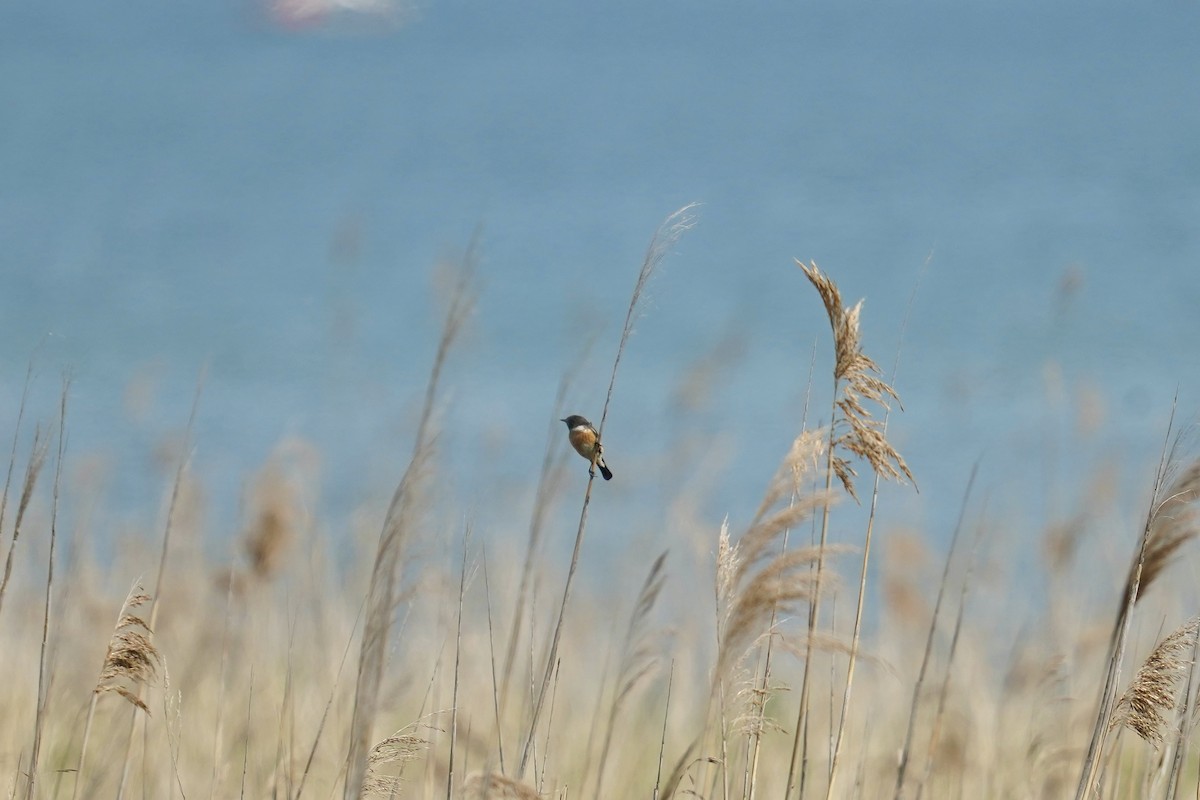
point(187, 184)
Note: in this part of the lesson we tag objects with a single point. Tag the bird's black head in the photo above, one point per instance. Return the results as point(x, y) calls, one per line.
point(574, 421)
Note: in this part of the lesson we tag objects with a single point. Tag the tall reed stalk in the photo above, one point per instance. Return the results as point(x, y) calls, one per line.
point(856, 636)
point(665, 238)
point(853, 433)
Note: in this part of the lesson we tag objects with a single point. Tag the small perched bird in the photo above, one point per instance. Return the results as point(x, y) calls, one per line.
point(586, 442)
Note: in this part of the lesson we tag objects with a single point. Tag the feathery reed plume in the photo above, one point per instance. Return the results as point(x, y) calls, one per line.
point(802, 459)
point(807, 447)
point(43, 669)
point(1170, 523)
point(401, 747)
point(131, 658)
point(276, 508)
point(853, 433)
point(637, 657)
point(1173, 523)
point(783, 584)
point(494, 786)
point(753, 588)
point(665, 238)
point(1153, 689)
point(381, 594)
point(37, 459)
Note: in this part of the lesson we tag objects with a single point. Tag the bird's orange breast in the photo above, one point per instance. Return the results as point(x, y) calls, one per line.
point(583, 440)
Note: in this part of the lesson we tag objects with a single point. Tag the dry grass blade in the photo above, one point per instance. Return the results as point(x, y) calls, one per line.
point(1186, 711)
point(662, 742)
point(462, 590)
point(494, 786)
point(635, 654)
point(12, 456)
point(381, 594)
point(944, 691)
point(37, 459)
point(44, 678)
point(637, 657)
point(549, 482)
point(1155, 686)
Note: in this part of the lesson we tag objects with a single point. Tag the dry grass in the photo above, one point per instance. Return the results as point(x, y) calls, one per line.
point(297, 671)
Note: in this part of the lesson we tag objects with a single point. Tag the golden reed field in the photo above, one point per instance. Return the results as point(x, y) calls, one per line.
point(813, 651)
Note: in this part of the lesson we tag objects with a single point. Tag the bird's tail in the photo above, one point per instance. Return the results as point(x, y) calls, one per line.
point(604, 470)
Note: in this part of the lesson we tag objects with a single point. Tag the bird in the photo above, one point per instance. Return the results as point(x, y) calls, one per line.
point(586, 441)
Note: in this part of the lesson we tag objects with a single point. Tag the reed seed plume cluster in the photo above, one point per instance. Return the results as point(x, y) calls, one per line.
point(791, 646)
point(1155, 688)
point(393, 753)
point(132, 660)
point(857, 432)
point(132, 656)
